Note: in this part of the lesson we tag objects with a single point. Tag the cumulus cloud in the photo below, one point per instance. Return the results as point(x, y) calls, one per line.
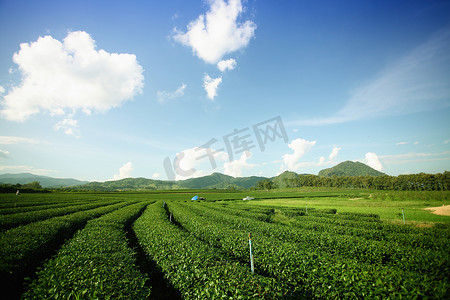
point(2, 89)
point(218, 32)
point(373, 161)
point(69, 127)
point(194, 162)
point(334, 153)
point(70, 75)
point(211, 85)
point(11, 140)
point(414, 83)
point(300, 147)
point(225, 65)
point(291, 161)
point(164, 96)
point(124, 171)
point(156, 175)
point(234, 168)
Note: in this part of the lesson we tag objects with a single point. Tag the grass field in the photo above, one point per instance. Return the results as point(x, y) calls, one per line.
point(387, 204)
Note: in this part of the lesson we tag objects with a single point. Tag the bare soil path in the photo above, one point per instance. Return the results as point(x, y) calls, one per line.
point(440, 210)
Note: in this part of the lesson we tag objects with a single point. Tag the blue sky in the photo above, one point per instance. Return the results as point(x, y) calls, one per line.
point(101, 90)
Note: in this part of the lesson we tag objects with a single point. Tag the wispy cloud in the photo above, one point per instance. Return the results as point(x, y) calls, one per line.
point(25, 169)
point(11, 140)
point(401, 143)
point(164, 96)
point(417, 82)
point(415, 157)
point(69, 126)
point(396, 158)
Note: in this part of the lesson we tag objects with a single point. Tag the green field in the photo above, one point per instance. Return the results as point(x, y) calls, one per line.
point(307, 243)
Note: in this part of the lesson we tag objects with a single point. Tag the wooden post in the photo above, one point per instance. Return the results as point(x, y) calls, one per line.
point(403, 214)
point(251, 255)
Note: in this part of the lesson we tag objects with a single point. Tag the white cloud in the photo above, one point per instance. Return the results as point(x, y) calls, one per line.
point(447, 141)
point(416, 143)
point(69, 126)
point(235, 167)
point(10, 140)
point(2, 89)
point(210, 85)
point(225, 65)
point(124, 171)
point(300, 147)
point(4, 153)
point(416, 82)
point(218, 32)
point(334, 153)
point(373, 161)
point(197, 162)
point(70, 75)
point(401, 143)
point(414, 157)
point(164, 96)
point(156, 175)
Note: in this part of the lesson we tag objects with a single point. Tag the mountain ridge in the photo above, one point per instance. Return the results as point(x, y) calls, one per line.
point(212, 181)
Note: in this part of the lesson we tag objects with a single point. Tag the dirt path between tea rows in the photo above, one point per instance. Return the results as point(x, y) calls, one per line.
point(440, 210)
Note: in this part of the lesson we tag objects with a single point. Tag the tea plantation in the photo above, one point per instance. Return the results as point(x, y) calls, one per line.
point(162, 245)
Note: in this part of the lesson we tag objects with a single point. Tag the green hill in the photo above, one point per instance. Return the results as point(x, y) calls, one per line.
point(285, 179)
point(219, 181)
point(213, 181)
point(350, 168)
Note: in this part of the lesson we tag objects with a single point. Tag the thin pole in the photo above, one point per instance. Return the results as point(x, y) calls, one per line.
point(403, 213)
point(251, 255)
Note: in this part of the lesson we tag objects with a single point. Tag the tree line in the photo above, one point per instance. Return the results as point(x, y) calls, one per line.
point(411, 182)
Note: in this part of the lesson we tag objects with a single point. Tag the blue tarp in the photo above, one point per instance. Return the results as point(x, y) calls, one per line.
point(195, 198)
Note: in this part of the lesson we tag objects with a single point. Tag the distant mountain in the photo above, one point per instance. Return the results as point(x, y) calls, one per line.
point(213, 181)
point(131, 184)
point(350, 168)
point(220, 181)
point(45, 181)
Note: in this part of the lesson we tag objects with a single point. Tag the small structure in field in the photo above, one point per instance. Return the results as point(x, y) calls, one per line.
point(195, 198)
point(248, 198)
